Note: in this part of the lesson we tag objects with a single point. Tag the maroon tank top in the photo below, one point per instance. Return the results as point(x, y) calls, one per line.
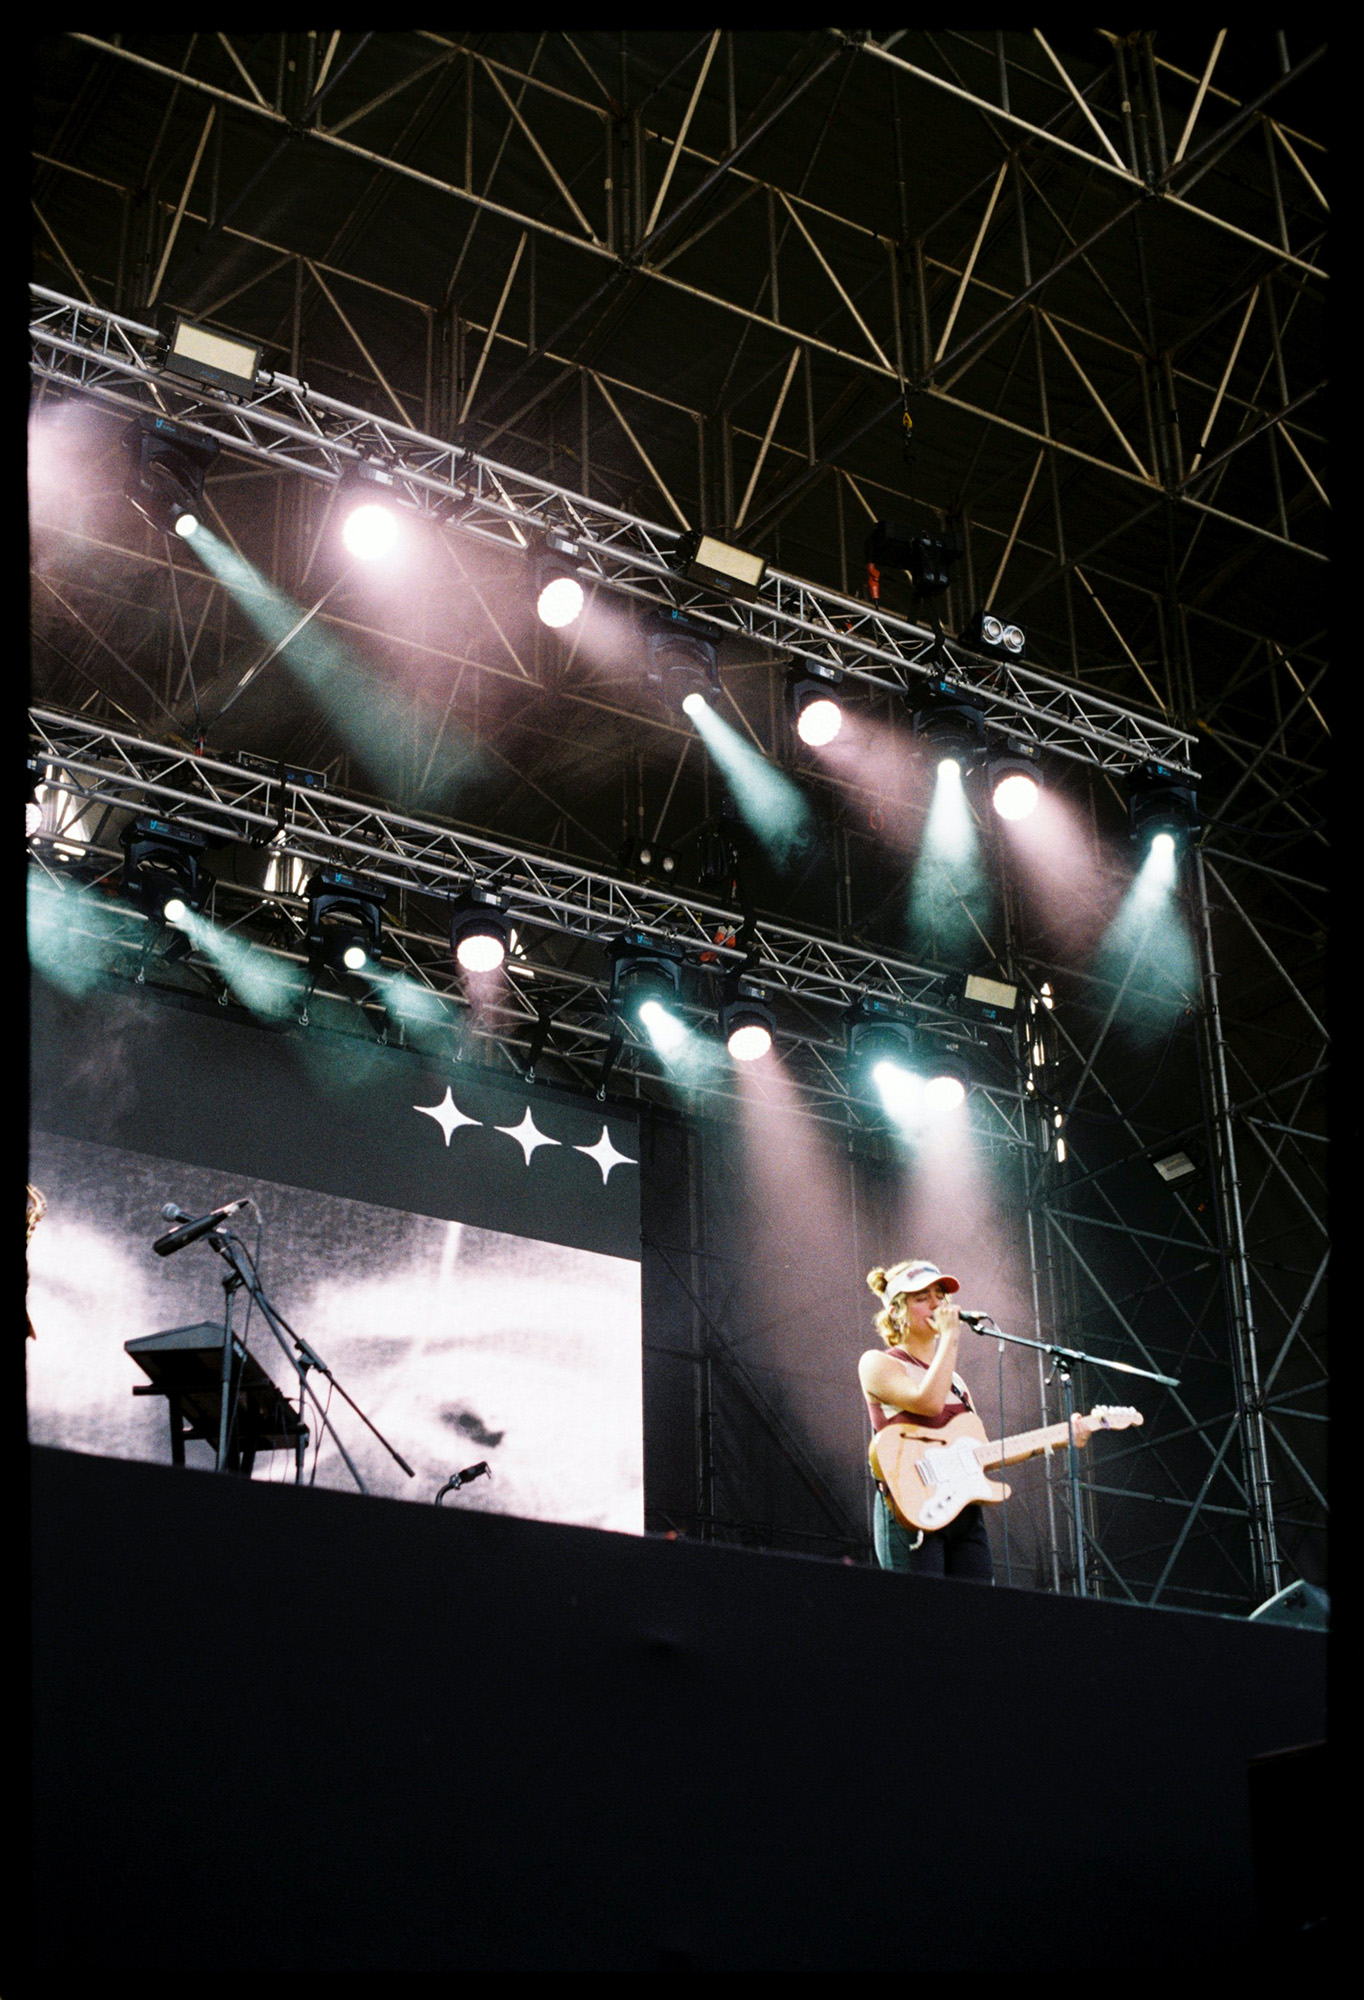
point(957, 1404)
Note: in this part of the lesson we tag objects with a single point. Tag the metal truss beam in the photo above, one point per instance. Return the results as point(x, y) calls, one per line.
point(111, 359)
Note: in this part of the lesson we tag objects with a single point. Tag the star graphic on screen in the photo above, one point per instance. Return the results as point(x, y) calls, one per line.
point(447, 1114)
point(527, 1135)
point(605, 1155)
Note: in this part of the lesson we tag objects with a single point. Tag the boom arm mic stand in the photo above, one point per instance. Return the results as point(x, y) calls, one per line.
point(230, 1249)
point(1063, 1360)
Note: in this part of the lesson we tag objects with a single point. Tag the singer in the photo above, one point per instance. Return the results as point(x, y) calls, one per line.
point(914, 1374)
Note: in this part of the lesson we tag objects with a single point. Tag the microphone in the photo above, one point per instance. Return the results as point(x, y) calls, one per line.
point(976, 1321)
point(194, 1227)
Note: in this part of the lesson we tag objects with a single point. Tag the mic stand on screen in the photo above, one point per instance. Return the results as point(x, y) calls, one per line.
point(304, 1357)
point(1063, 1360)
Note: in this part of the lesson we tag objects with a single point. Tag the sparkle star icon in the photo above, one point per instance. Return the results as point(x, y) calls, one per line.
point(447, 1114)
point(527, 1135)
point(605, 1155)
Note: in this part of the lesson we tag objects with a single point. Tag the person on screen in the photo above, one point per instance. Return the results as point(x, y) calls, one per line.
point(914, 1374)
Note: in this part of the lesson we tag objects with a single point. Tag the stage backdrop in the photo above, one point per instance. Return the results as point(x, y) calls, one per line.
point(463, 1253)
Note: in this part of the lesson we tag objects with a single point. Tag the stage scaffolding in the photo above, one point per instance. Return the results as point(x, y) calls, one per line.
point(1215, 1504)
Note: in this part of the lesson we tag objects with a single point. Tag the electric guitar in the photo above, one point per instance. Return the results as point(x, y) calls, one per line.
point(929, 1476)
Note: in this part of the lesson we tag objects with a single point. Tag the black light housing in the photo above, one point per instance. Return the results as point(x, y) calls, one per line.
point(345, 921)
point(1000, 638)
point(559, 594)
point(480, 931)
point(813, 701)
point(680, 656)
point(1013, 773)
point(880, 1031)
point(166, 474)
point(642, 969)
point(925, 559)
point(1161, 800)
point(981, 998)
point(647, 860)
point(162, 868)
point(747, 1023)
point(703, 559)
point(949, 723)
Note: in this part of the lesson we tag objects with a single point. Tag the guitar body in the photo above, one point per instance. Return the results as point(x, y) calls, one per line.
point(930, 1475)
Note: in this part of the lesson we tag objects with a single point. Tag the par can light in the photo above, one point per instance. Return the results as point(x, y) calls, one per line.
point(480, 932)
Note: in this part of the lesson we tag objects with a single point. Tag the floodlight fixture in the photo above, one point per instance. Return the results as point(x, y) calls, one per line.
point(814, 701)
point(997, 637)
point(1013, 772)
point(345, 920)
point(1162, 808)
point(924, 558)
point(991, 1000)
point(162, 874)
point(949, 724)
point(197, 354)
point(747, 1023)
point(481, 932)
point(703, 559)
point(559, 595)
point(1175, 1167)
point(167, 465)
point(680, 658)
point(366, 495)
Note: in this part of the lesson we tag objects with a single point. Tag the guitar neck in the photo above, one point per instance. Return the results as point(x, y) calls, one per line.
point(1027, 1444)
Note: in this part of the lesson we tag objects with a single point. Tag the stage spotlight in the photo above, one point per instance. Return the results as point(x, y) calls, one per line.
point(702, 559)
point(680, 659)
point(365, 495)
point(646, 979)
point(1162, 808)
point(345, 921)
point(813, 699)
point(882, 1051)
point(949, 725)
point(1013, 774)
point(480, 931)
point(201, 356)
point(166, 475)
point(646, 860)
point(926, 559)
point(162, 871)
point(746, 1021)
point(946, 1080)
point(995, 636)
point(559, 596)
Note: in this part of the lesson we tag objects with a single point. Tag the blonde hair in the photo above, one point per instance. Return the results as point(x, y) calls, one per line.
point(886, 1323)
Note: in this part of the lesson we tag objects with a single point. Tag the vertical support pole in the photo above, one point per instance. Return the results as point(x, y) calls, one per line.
point(1235, 1263)
point(296, 323)
point(584, 435)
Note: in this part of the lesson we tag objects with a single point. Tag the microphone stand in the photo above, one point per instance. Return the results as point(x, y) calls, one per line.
point(1063, 1360)
point(227, 1246)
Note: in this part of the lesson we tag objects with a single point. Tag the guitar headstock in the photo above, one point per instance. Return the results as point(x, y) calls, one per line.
point(1103, 1417)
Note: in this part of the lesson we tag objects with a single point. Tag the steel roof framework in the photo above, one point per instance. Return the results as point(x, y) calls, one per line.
point(1132, 456)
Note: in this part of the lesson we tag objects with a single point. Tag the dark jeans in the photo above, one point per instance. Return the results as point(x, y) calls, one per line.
point(961, 1549)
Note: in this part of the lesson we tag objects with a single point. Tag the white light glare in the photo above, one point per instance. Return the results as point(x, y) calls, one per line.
point(901, 1091)
point(174, 911)
point(749, 1042)
point(480, 952)
point(353, 957)
point(33, 817)
point(186, 526)
point(695, 704)
point(943, 1094)
point(819, 722)
point(560, 602)
point(1163, 844)
point(949, 768)
point(371, 531)
point(664, 1029)
point(1015, 796)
